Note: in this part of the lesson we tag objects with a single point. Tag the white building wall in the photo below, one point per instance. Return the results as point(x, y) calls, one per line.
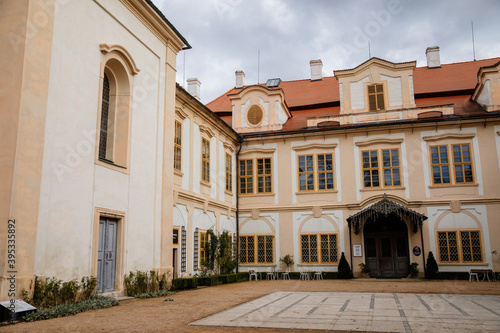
point(485, 97)
point(196, 163)
point(213, 168)
point(358, 94)
point(395, 90)
point(186, 146)
point(72, 185)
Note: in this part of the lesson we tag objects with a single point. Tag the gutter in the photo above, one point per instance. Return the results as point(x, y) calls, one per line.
point(238, 206)
point(306, 131)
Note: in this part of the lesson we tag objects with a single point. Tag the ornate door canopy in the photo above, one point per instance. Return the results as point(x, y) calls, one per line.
point(385, 207)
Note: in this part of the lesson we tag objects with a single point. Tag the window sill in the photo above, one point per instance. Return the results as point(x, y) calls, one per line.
point(228, 192)
point(315, 264)
point(463, 264)
point(395, 188)
point(204, 183)
point(257, 264)
point(453, 185)
point(111, 163)
point(178, 173)
point(257, 195)
point(315, 192)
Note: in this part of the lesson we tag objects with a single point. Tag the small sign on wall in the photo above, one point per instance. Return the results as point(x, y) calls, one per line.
point(356, 250)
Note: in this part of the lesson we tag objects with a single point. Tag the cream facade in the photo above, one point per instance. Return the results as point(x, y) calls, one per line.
point(391, 168)
point(204, 188)
point(87, 174)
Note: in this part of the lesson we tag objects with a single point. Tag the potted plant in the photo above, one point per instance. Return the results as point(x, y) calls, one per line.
point(364, 270)
point(287, 260)
point(414, 269)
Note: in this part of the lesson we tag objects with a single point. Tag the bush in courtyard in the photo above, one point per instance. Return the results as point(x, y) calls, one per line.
point(50, 292)
point(144, 282)
point(414, 269)
point(431, 269)
point(344, 270)
point(184, 283)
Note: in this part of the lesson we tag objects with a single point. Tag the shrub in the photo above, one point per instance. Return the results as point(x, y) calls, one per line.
point(65, 310)
point(344, 270)
point(243, 276)
point(50, 292)
point(144, 282)
point(414, 269)
point(184, 283)
point(431, 269)
point(88, 285)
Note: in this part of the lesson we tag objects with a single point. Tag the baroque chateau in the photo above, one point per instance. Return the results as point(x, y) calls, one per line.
point(109, 166)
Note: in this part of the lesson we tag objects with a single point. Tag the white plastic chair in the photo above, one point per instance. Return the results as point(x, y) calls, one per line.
point(270, 273)
point(318, 274)
point(252, 273)
point(286, 274)
point(472, 275)
point(304, 274)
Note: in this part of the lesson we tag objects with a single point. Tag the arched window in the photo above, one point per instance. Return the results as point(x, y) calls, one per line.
point(103, 137)
point(115, 112)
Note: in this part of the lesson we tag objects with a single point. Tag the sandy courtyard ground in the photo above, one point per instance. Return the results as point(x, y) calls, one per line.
point(156, 315)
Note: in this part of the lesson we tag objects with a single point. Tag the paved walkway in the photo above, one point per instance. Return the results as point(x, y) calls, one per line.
point(377, 312)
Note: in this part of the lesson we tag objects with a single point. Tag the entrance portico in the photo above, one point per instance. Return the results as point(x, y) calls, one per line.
point(385, 235)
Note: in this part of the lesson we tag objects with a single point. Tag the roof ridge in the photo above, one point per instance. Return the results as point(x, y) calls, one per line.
point(463, 62)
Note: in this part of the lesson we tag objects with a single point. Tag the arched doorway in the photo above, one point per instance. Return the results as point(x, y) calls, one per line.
point(386, 246)
point(386, 236)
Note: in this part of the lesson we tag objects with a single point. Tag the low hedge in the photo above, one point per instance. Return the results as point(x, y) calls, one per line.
point(453, 276)
point(182, 284)
point(208, 281)
point(215, 280)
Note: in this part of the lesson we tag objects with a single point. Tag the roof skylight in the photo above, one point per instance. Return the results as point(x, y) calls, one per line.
point(273, 83)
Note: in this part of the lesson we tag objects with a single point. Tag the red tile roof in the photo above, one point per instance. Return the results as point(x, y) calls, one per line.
point(308, 95)
point(450, 77)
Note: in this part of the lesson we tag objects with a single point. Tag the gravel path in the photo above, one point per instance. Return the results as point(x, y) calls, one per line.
point(156, 315)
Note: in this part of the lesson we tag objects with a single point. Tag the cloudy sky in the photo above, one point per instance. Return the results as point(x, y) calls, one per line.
point(226, 35)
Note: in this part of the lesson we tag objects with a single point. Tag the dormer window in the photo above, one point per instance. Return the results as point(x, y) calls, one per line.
point(255, 115)
point(376, 97)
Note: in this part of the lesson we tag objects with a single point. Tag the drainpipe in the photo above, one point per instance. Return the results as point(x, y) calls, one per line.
point(238, 206)
point(350, 246)
point(422, 238)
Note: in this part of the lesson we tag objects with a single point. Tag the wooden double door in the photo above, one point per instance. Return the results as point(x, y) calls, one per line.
point(106, 255)
point(387, 249)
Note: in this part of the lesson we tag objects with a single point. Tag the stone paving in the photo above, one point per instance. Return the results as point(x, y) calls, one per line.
point(365, 312)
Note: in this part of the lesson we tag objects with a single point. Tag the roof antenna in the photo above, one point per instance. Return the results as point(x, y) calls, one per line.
point(258, 66)
point(473, 46)
point(369, 51)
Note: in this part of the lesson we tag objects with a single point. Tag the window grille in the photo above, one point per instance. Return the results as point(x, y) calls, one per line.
point(195, 253)
point(183, 249)
point(103, 137)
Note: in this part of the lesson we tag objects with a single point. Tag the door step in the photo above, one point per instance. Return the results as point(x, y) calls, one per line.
point(114, 294)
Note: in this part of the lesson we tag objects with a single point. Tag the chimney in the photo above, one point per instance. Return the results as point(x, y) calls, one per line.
point(432, 54)
point(194, 87)
point(316, 70)
point(240, 79)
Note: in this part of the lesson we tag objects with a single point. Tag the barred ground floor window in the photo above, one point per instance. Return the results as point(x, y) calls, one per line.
point(257, 249)
point(319, 248)
point(460, 246)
